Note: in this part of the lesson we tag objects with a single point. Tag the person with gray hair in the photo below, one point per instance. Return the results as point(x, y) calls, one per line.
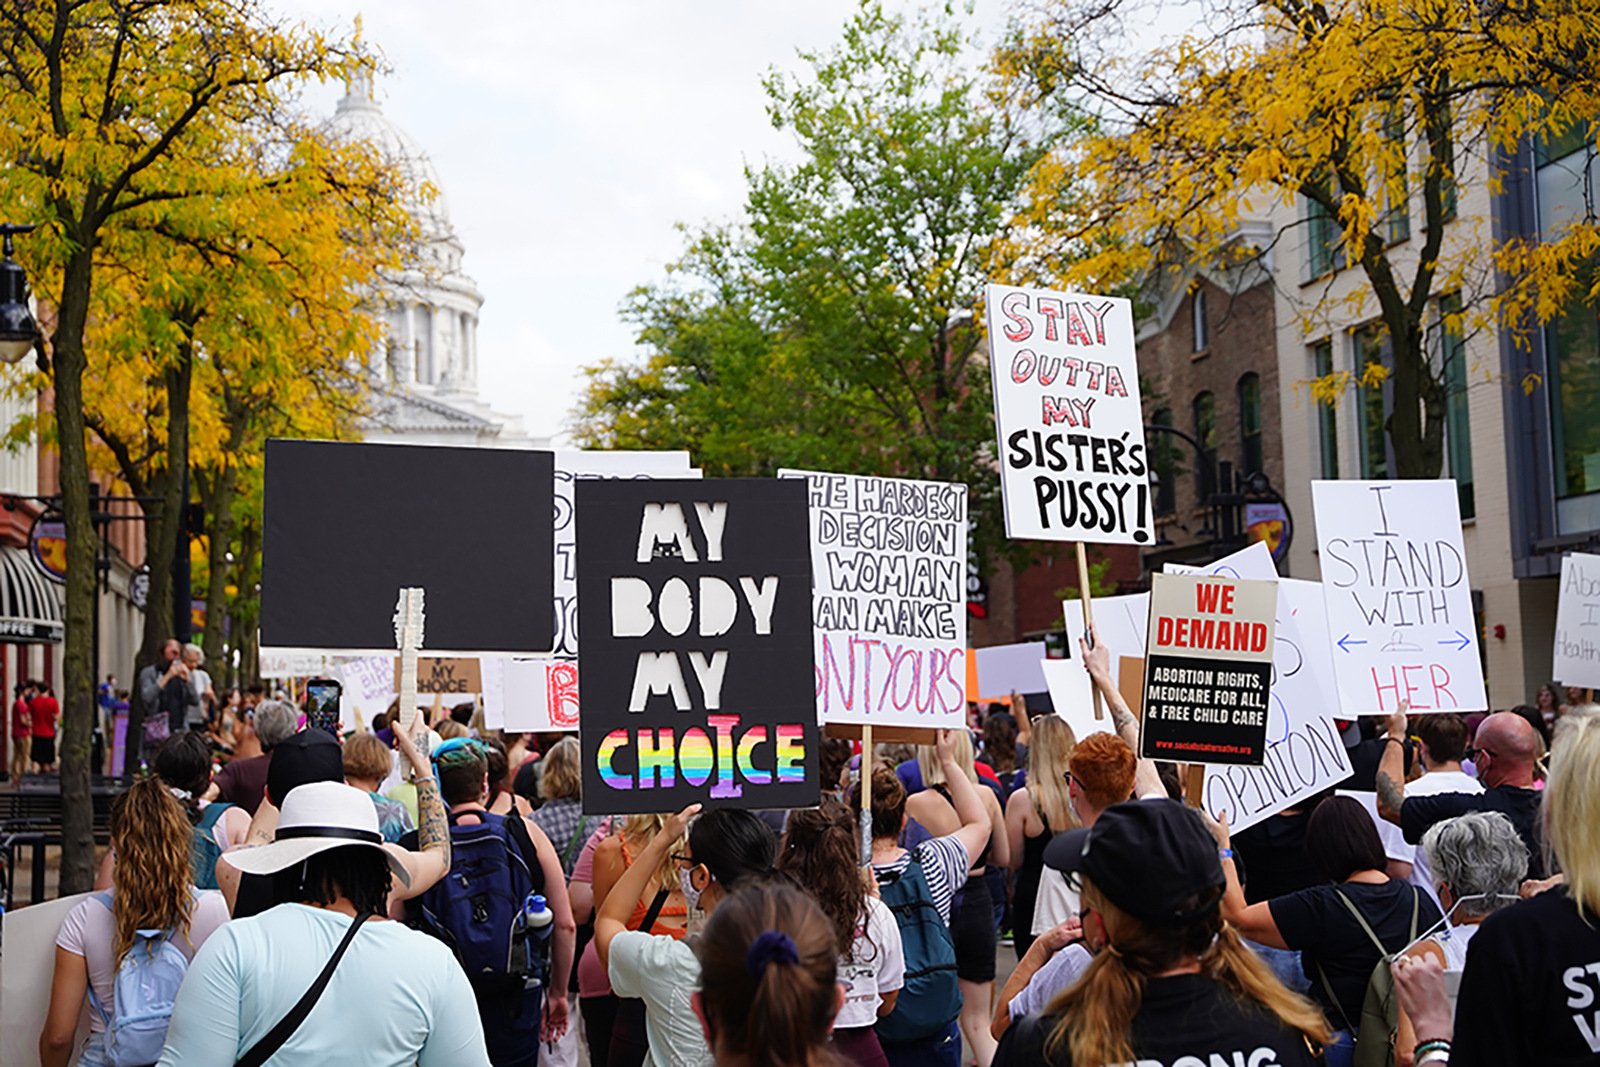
point(204, 703)
point(1478, 862)
point(244, 781)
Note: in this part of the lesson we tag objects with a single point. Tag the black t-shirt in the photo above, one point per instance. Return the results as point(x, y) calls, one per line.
point(1275, 852)
point(1531, 990)
point(1187, 1018)
point(1316, 922)
point(1521, 806)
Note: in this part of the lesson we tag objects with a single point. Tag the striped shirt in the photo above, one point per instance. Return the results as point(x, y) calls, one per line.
point(944, 865)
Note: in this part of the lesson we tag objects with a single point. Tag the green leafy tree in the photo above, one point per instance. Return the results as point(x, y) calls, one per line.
point(838, 326)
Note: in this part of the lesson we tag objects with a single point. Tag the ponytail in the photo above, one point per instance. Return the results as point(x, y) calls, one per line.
point(1097, 1013)
point(819, 851)
point(153, 886)
point(769, 990)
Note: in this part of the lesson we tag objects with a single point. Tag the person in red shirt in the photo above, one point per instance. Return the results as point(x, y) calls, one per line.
point(44, 710)
point(21, 729)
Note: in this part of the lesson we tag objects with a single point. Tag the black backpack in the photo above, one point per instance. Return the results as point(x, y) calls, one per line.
point(476, 908)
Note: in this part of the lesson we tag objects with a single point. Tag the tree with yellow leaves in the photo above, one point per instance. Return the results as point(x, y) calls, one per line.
point(130, 132)
point(1370, 117)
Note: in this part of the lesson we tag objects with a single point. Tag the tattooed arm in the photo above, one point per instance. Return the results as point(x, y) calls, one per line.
point(431, 861)
point(1392, 767)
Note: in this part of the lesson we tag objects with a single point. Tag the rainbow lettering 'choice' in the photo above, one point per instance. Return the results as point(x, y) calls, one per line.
point(728, 757)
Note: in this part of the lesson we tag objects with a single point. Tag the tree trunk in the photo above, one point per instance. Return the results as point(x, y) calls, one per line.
point(77, 692)
point(246, 609)
point(1416, 422)
point(161, 538)
point(219, 512)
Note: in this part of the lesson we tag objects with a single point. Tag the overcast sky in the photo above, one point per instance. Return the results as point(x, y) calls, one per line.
point(570, 140)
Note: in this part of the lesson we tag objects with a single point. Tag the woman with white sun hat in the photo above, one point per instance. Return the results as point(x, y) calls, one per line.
point(327, 979)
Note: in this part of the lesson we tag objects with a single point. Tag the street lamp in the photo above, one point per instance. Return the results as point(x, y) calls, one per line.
point(19, 333)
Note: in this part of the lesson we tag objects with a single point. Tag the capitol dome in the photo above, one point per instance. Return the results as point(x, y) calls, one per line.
point(426, 390)
point(359, 118)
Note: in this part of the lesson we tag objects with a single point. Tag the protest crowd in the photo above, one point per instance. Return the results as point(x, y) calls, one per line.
point(1198, 838)
point(447, 900)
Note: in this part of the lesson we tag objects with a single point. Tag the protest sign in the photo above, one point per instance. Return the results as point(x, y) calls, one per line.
point(1208, 669)
point(276, 664)
point(25, 968)
point(1073, 465)
point(889, 580)
point(369, 688)
point(1577, 649)
point(1007, 669)
point(570, 466)
point(696, 660)
point(1399, 602)
point(523, 693)
point(342, 530)
point(450, 677)
point(1072, 695)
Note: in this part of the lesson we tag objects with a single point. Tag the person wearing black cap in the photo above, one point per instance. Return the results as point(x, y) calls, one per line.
point(314, 756)
point(1170, 982)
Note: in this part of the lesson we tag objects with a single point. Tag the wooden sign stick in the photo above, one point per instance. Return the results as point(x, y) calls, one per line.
point(1088, 613)
point(1194, 788)
point(868, 763)
point(408, 622)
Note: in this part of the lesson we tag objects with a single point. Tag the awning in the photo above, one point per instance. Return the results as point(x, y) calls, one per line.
point(30, 604)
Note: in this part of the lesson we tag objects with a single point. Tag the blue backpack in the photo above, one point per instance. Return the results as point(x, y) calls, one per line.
point(931, 999)
point(476, 909)
point(143, 992)
point(204, 850)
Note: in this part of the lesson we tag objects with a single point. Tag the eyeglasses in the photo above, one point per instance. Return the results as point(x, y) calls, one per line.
point(685, 861)
point(1066, 776)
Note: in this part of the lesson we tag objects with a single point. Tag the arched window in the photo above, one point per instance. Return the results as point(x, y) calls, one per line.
point(1205, 431)
point(1163, 463)
point(1250, 423)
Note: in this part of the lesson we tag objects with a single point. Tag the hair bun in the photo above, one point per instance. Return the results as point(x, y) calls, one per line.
point(773, 946)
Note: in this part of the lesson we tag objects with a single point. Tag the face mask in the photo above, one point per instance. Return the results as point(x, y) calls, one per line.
point(691, 895)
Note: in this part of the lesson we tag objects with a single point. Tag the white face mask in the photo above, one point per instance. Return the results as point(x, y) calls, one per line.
point(691, 895)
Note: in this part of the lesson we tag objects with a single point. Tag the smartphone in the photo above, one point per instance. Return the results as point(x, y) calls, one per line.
point(322, 705)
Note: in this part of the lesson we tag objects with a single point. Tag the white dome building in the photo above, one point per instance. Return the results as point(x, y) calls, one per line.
point(427, 392)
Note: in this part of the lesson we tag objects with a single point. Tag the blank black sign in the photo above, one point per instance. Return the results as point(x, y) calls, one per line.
point(347, 525)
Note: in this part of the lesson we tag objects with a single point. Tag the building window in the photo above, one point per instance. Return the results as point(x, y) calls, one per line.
point(1563, 180)
point(1205, 431)
point(1397, 194)
point(1322, 239)
point(1164, 464)
point(1327, 415)
point(1197, 312)
point(1372, 401)
point(1250, 423)
point(1457, 421)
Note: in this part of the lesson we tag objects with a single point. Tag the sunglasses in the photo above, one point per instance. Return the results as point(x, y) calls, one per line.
point(1066, 776)
point(686, 862)
point(1476, 754)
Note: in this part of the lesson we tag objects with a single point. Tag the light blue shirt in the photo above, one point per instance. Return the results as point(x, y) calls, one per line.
point(1064, 968)
point(397, 998)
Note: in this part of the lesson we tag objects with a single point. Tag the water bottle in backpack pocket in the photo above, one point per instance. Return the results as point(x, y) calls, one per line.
point(143, 993)
point(478, 907)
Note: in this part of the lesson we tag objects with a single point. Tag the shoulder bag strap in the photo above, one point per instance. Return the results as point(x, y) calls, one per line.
point(654, 911)
point(578, 838)
point(263, 1050)
point(1416, 909)
point(1362, 919)
point(1327, 987)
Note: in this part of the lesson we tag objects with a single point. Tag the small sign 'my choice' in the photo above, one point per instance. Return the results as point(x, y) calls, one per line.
point(447, 676)
point(1208, 669)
